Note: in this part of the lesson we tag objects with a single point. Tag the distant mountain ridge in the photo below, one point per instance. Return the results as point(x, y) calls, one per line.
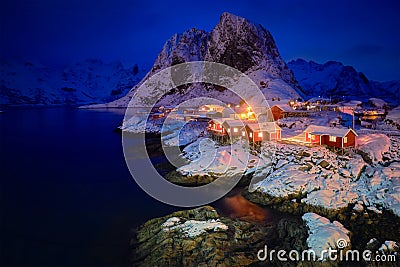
point(335, 80)
point(86, 82)
point(234, 41)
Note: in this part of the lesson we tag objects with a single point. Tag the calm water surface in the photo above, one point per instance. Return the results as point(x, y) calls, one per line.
point(66, 195)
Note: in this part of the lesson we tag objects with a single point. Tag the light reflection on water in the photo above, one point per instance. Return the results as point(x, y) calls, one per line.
point(234, 205)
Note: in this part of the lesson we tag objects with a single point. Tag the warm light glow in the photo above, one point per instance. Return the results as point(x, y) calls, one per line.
point(243, 115)
point(235, 130)
point(251, 115)
point(260, 135)
point(239, 207)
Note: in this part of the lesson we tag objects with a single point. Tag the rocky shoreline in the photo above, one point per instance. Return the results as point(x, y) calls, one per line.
point(233, 241)
point(223, 242)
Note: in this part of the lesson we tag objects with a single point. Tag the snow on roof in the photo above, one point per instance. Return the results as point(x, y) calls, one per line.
point(219, 121)
point(228, 111)
point(394, 114)
point(377, 102)
point(284, 107)
point(234, 123)
point(324, 130)
point(265, 126)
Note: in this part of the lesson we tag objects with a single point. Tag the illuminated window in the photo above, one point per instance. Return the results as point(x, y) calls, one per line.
point(309, 136)
point(243, 133)
point(229, 130)
point(332, 138)
point(235, 130)
point(251, 135)
point(260, 135)
point(345, 140)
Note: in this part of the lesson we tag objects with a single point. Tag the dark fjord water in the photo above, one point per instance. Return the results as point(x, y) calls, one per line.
point(66, 196)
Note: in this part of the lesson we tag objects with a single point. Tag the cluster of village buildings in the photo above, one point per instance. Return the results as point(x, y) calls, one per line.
point(239, 121)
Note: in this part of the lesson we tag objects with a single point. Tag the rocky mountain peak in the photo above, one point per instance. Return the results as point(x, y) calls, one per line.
point(185, 47)
point(239, 43)
point(236, 42)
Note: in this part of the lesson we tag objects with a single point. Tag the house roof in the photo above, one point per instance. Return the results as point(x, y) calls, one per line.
point(265, 126)
point(219, 121)
point(235, 123)
point(332, 131)
point(228, 111)
point(284, 107)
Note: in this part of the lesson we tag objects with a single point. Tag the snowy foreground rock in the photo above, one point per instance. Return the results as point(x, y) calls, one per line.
point(201, 237)
point(324, 234)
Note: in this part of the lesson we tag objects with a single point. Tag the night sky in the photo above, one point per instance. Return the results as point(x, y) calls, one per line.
point(361, 33)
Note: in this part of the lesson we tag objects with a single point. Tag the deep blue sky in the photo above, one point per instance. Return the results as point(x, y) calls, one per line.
point(361, 33)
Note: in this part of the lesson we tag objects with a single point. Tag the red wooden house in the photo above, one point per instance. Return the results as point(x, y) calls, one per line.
point(215, 127)
point(281, 111)
point(330, 136)
point(257, 132)
point(233, 127)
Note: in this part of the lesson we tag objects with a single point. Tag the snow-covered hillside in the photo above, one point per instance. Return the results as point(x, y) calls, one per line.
point(90, 81)
point(335, 80)
point(234, 41)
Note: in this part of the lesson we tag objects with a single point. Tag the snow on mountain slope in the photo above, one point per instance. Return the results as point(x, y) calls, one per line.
point(234, 41)
point(335, 80)
point(90, 81)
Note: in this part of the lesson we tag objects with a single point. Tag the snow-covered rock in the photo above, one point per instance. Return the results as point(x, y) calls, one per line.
point(324, 234)
point(350, 180)
point(330, 199)
point(375, 145)
point(281, 183)
point(389, 247)
point(206, 158)
point(193, 228)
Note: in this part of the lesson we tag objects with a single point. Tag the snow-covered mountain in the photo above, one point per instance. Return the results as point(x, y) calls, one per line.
point(333, 79)
point(235, 41)
point(87, 82)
